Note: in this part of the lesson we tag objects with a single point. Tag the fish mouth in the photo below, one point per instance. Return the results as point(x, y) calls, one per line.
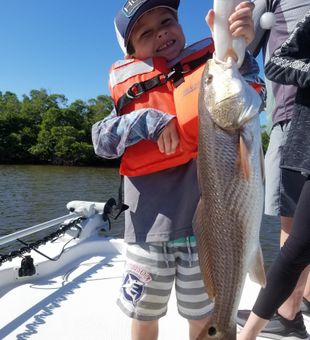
point(166, 45)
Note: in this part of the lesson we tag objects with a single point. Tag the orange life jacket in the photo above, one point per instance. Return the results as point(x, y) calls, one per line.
point(151, 83)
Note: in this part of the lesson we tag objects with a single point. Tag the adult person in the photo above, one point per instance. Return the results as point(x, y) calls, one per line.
point(290, 64)
point(280, 101)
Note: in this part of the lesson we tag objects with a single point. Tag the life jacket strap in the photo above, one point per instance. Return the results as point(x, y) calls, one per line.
point(182, 68)
point(176, 76)
point(137, 89)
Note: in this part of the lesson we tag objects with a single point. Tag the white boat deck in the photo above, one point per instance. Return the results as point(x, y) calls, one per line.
point(80, 304)
point(75, 298)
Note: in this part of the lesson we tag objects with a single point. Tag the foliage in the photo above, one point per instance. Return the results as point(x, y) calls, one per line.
point(43, 128)
point(265, 139)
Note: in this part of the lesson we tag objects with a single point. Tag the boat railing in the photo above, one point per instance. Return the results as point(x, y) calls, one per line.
point(36, 228)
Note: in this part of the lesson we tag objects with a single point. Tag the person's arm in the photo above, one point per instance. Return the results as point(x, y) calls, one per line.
point(114, 133)
point(290, 63)
point(260, 37)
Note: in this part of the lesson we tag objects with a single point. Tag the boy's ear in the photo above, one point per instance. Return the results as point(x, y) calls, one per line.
point(210, 19)
point(127, 56)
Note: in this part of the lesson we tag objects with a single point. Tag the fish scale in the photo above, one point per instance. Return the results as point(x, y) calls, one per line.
point(228, 216)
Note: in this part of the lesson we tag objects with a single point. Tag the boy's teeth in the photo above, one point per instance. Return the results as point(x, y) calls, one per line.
point(169, 43)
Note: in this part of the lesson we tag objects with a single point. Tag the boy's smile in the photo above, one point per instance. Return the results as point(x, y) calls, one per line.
point(157, 34)
point(166, 45)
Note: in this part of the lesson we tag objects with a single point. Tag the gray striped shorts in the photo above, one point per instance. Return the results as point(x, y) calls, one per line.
point(151, 270)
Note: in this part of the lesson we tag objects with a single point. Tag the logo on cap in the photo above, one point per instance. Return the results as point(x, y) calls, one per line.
point(131, 6)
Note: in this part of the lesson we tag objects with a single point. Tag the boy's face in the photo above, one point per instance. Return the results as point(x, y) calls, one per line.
point(157, 34)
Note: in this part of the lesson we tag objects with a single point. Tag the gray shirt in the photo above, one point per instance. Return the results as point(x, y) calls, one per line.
point(280, 98)
point(161, 205)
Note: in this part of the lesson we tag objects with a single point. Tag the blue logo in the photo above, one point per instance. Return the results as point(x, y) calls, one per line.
point(133, 288)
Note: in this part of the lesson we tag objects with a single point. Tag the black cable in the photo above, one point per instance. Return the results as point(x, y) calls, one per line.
point(52, 237)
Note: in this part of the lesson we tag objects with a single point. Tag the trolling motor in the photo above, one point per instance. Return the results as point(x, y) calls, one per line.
point(112, 208)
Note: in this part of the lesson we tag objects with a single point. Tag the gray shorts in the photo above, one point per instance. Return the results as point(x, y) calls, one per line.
point(273, 200)
point(150, 273)
point(292, 183)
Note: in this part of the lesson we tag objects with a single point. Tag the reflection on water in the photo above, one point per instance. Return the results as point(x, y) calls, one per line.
point(32, 194)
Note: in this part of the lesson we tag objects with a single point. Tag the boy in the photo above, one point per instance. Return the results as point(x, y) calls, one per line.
point(158, 161)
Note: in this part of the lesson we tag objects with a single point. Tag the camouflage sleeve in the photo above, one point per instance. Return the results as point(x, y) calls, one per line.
point(114, 133)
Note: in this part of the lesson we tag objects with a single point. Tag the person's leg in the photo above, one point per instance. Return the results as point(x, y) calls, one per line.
point(286, 227)
point(283, 275)
point(195, 327)
point(147, 283)
point(292, 183)
point(291, 306)
point(144, 330)
point(279, 202)
point(192, 299)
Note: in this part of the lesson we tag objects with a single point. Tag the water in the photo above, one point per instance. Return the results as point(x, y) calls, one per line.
point(31, 194)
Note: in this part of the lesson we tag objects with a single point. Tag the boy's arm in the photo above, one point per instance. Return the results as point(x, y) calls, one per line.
point(114, 133)
point(290, 63)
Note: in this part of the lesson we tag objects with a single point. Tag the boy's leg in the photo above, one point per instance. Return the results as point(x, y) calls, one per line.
point(277, 202)
point(147, 283)
point(307, 292)
point(193, 301)
point(195, 327)
point(144, 330)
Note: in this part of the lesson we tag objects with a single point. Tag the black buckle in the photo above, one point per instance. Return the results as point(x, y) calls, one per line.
point(131, 93)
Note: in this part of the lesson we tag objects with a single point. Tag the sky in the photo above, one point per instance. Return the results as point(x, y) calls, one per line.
point(68, 46)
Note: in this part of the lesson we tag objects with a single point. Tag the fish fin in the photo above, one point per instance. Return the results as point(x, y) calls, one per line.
point(244, 158)
point(199, 231)
point(257, 272)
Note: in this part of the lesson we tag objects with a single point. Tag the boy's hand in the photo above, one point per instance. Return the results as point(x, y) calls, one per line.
point(169, 138)
point(241, 22)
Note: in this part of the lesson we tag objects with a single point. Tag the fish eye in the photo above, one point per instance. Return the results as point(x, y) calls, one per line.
point(209, 79)
point(212, 331)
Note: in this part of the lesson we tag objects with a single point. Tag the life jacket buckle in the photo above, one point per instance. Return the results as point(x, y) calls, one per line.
point(135, 91)
point(164, 77)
